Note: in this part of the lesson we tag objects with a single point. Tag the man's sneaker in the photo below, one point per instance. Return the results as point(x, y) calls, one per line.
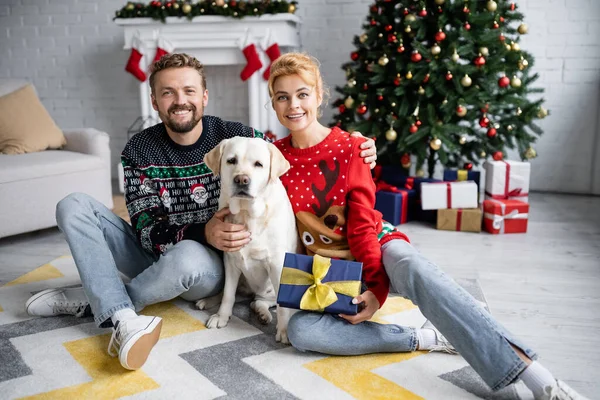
point(443, 345)
point(133, 339)
point(52, 302)
point(560, 391)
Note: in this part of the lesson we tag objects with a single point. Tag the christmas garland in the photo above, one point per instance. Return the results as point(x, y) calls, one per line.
point(160, 10)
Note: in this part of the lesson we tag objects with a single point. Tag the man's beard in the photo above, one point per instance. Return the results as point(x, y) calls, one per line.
point(182, 127)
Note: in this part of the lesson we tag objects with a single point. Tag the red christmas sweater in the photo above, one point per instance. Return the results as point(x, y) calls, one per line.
point(333, 197)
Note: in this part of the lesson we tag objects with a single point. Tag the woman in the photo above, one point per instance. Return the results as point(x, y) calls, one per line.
point(333, 196)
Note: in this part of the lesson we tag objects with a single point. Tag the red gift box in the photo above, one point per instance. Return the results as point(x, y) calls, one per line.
point(505, 216)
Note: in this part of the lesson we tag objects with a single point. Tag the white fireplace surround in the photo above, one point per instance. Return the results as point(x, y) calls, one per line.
point(215, 41)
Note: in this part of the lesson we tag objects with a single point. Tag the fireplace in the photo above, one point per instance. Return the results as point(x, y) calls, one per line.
point(217, 41)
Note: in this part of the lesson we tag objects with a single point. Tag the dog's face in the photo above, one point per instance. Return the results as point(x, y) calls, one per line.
point(246, 166)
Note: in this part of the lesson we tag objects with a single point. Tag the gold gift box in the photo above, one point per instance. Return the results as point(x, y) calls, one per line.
point(464, 220)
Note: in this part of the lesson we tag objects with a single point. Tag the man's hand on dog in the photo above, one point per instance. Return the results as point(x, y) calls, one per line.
point(224, 235)
point(368, 306)
point(369, 153)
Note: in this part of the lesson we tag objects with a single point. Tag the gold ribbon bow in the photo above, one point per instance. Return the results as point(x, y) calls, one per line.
point(462, 174)
point(319, 295)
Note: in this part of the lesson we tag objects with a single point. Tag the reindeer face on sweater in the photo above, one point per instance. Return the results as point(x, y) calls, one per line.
point(323, 235)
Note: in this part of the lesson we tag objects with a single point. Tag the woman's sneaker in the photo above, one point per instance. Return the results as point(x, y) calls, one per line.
point(53, 302)
point(561, 391)
point(133, 339)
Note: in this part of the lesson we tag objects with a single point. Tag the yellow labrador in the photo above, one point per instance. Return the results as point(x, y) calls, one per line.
point(250, 187)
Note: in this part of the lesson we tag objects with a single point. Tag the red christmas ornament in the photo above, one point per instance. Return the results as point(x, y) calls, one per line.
point(413, 128)
point(362, 109)
point(354, 56)
point(339, 123)
point(467, 26)
point(440, 10)
point(374, 9)
point(440, 36)
point(405, 11)
point(415, 56)
point(423, 13)
point(169, 5)
point(501, 37)
point(342, 108)
point(380, 98)
point(468, 166)
point(365, 86)
point(388, 28)
point(418, 122)
point(373, 22)
point(405, 159)
point(466, 10)
point(484, 122)
point(479, 61)
point(501, 19)
point(512, 6)
point(495, 26)
point(392, 38)
point(448, 76)
point(491, 132)
point(485, 108)
point(397, 81)
point(426, 79)
point(503, 82)
point(233, 3)
point(498, 156)
point(401, 49)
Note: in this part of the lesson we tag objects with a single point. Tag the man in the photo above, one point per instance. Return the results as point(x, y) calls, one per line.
point(172, 246)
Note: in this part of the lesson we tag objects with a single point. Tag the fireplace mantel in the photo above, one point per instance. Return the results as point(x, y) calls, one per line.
point(217, 40)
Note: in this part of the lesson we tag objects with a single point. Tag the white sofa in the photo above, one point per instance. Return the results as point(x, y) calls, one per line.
point(31, 184)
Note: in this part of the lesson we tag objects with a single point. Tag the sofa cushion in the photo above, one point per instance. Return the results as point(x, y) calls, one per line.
point(25, 125)
point(46, 163)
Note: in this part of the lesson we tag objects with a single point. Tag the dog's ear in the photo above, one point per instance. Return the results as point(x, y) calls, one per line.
point(279, 165)
point(212, 159)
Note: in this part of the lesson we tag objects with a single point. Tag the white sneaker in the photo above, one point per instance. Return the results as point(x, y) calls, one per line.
point(133, 339)
point(443, 345)
point(52, 302)
point(560, 391)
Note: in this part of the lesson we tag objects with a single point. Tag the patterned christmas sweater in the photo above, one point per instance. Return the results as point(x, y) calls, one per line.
point(333, 197)
point(170, 193)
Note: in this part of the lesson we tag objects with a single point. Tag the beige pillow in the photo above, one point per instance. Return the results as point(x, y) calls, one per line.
point(25, 125)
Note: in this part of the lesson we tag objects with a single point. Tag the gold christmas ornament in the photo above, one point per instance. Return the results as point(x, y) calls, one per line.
point(491, 6)
point(391, 135)
point(220, 3)
point(409, 75)
point(530, 153)
point(176, 6)
point(435, 50)
point(363, 38)
point(461, 111)
point(522, 29)
point(515, 82)
point(421, 90)
point(519, 111)
point(349, 102)
point(510, 128)
point(393, 104)
point(292, 8)
point(407, 29)
point(466, 81)
point(351, 83)
point(455, 56)
point(508, 48)
point(383, 61)
point(445, 101)
point(462, 139)
point(376, 110)
point(522, 64)
point(515, 46)
point(435, 144)
point(482, 154)
point(186, 8)
point(130, 6)
point(380, 35)
point(542, 113)
point(420, 173)
point(484, 51)
point(410, 18)
point(439, 2)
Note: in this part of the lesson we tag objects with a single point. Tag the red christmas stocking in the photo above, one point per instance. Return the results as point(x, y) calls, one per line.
point(163, 47)
point(135, 58)
point(253, 62)
point(274, 53)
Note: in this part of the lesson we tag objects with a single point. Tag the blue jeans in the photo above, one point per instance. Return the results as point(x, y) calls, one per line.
point(482, 341)
point(104, 245)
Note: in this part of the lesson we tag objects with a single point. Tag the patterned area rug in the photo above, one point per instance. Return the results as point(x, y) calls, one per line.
point(66, 357)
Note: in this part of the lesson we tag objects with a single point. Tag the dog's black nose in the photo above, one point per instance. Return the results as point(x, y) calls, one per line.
point(242, 180)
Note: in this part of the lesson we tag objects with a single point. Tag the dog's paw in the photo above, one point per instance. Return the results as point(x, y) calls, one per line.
point(217, 321)
point(261, 308)
point(281, 336)
point(202, 304)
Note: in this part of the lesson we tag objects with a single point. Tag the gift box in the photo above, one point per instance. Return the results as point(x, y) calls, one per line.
point(507, 180)
point(465, 220)
point(453, 175)
point(505, 216)
point(438, 195)
point(396, 205)
point(395, 176)
point(319, 284)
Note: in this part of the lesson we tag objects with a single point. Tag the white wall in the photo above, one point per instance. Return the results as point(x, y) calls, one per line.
point(72, 51)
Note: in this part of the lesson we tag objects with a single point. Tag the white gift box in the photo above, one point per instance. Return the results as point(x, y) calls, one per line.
point(507, 180)
point(441, 195)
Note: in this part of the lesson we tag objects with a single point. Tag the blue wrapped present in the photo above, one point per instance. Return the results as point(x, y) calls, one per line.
point(397, 206)
point(453, 175)
point(319, 284)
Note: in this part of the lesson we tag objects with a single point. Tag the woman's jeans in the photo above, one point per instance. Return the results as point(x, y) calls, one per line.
point(104, 245)
point(455, 313)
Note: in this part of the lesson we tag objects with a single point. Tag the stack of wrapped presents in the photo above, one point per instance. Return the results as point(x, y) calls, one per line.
point(454, 202)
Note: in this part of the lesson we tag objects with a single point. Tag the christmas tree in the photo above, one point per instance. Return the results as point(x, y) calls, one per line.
point(445, 81)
